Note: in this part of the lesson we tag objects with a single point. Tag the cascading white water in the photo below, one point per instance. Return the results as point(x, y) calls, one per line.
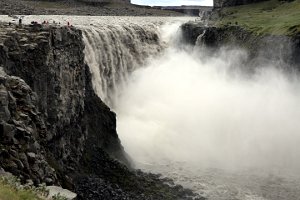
point(113, 52)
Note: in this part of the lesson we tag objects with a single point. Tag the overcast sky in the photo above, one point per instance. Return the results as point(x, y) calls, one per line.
point(173, 2)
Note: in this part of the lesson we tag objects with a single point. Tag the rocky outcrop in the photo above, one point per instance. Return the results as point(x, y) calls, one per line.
point(111, 180)
point(55, 191)
point(225, 3)
point(21, 127)
point(271, 48)
point(105, 1)
point(40, 57)
point(51, 61)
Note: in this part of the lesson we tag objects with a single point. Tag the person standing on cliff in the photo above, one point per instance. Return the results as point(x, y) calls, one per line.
point(20, 21)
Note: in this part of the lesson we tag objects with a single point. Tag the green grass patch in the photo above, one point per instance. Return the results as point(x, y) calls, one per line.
point(269, 17)
point(12, 189)
point(8, 192)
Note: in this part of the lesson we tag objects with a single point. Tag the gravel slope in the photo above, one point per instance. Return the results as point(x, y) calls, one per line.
point(71, 7)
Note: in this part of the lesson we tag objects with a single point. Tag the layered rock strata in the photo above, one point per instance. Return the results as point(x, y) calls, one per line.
point(21, 128)
point(51, 61)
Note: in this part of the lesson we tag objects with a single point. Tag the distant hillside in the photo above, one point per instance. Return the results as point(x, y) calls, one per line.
point(271, 17)
point(79, 7)
point(105, 1)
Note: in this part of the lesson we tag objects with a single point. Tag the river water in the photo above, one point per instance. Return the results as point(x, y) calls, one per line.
point(193, 115)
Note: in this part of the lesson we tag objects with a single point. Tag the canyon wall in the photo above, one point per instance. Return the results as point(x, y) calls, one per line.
point(265, 47)
point(54, 127)
point(69, 115)
point(106, 1)
point(225, 3)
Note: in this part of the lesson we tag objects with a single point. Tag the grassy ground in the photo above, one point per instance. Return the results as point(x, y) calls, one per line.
point(269, 17)
point(12, 189)
point(8, 192)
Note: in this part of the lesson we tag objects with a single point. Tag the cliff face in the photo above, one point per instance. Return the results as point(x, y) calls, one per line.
point(51, 62)
point(277, 48)
point(225, 3)
point(21, 128)
point(54, 129)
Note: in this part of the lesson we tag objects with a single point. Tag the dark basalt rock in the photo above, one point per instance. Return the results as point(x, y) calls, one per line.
point(51, 61)
point(113, 180)
point(225, 3)
point(267, 47)
point(20, 126)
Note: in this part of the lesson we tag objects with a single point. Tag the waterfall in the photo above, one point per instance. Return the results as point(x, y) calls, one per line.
point(202, 119)
point(199, 41)
point(112, 52)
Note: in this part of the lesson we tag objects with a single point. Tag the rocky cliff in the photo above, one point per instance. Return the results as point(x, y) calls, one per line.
point(55, 129)
point(21, 129)
point(271, 48)
point(51, 62)
point(106, 1)
point(225, 3)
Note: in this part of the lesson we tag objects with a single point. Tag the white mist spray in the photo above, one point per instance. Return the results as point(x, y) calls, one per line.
point(206, 112)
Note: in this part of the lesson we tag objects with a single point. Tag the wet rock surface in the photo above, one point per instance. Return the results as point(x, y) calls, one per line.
point(55, 129)
point(113, 180)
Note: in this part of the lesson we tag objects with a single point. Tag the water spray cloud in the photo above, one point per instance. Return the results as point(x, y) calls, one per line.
point(208, 112)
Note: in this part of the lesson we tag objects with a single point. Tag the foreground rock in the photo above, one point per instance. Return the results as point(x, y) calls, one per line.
point(55, 129)
point(21, 127)
point(55, 191)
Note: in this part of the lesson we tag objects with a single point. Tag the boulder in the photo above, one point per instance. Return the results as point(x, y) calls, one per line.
point(59, 191)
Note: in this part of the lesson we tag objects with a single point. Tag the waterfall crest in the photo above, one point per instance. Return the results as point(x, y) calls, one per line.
point(114, 51)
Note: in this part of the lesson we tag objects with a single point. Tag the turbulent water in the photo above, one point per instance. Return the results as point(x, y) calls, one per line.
point(192, 115)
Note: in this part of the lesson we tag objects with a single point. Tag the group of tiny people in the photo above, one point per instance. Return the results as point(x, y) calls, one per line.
point(43, 23)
